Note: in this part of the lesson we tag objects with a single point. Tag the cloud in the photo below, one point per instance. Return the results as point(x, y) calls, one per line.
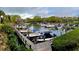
point(26, 11)
point(23, 16)
point(26, 16)
point(42, 11)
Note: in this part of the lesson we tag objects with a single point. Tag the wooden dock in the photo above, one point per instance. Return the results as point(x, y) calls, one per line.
point(43, 46)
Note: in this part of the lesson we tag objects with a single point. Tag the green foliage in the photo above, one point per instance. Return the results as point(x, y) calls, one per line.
point(35, 19)
point(48, 19)
point(10, 18)
point(7, 29)
point(14, 18)
point(1, 26)
point(2, 12)
point(54, 19)
point(6, 19)
point(13, 39)
point(67, 41)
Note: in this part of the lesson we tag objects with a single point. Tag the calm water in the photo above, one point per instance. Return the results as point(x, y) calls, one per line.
point(43, 30)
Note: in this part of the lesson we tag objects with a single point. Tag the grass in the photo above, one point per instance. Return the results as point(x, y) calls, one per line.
point(68, 41)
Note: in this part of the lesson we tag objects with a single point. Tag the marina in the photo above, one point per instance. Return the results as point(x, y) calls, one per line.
point(38, 38)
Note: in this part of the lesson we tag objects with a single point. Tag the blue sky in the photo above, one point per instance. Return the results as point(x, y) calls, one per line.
point(25, 12)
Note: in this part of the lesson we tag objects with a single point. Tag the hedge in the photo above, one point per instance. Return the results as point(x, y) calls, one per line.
point(68, 41)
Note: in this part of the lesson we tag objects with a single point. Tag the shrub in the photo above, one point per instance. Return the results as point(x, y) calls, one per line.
point(7, 29)
point(13, 39)
point(68, 41)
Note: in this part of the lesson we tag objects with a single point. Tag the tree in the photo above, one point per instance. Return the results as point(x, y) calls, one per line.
point(6, 19)
point(28, 20)
point(37, 19)
point(54, 19)
point(14, 18)
point(2, 13)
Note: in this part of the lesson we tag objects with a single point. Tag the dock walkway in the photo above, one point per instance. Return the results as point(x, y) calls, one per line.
point(43, 46)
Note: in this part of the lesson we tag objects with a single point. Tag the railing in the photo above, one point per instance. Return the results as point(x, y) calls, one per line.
point(36, 47)
point(25, 40)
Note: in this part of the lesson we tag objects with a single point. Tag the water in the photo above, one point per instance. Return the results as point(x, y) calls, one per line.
point(42, 30)
point(57, 32)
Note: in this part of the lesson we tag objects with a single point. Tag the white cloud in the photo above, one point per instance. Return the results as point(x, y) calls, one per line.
point(26, 12)
point(26, 16)
point(23, 16)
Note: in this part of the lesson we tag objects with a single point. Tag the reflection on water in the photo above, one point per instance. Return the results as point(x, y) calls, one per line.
point(43, 30)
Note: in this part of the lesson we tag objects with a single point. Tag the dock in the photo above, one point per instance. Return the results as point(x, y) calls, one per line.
point(42, 46)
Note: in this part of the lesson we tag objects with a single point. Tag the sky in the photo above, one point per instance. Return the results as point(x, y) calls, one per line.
point(26, 12)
